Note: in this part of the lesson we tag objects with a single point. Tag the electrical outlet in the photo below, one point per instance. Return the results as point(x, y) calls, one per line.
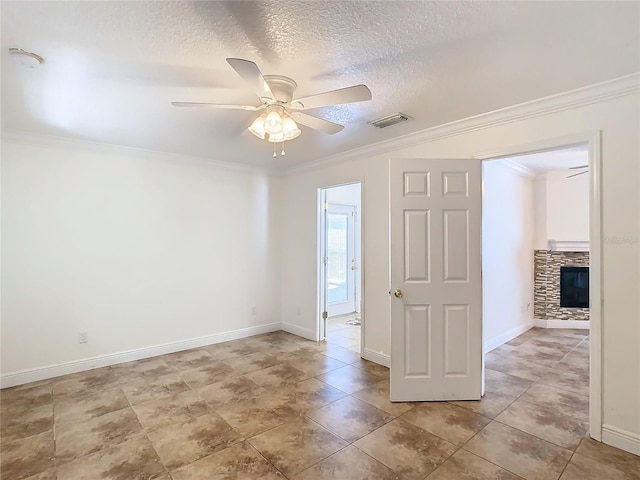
point(83, 337)
point(299, 311)
point(253, 310)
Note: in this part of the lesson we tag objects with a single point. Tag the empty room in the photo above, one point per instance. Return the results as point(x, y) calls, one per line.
point(319, 240)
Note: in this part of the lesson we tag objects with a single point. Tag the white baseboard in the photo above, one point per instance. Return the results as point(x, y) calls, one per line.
point(506, 336)
point(579, 324)
point(51, 371)
point(621, 439)
point(300, 331)
point(377, 357)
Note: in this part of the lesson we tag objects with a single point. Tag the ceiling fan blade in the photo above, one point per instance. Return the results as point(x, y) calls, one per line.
point(316, 123)
point(576, 174)
point(578, 166)
point(218, 105)
point(356, 93)
point(251, 74)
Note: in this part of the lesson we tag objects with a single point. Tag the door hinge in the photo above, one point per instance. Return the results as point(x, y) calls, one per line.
point(325, 206)
point(325, 315)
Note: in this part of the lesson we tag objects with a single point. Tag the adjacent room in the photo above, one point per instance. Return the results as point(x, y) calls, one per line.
point(340, 240)
point(320, 240)
point(536, 220)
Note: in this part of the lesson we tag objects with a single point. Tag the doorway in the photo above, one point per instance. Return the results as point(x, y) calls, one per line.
point(564, 231)
point(414, 184)
point(340, 258)
point(535, 232)
point(535, 224)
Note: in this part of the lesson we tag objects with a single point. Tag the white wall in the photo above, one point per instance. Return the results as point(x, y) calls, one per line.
point(540, 238)
point(507, 253)
point(561, 206)
point(617, 118)
point(136, 249)
point(567, 205)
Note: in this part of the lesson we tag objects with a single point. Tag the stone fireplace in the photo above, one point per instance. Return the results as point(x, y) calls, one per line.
point(546, 304)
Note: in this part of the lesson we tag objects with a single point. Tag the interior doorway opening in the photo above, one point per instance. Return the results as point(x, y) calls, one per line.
point(340, 259)
point(535, 224)
point(540, 216)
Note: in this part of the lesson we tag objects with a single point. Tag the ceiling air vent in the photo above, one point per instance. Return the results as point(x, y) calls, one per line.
point(390, 120)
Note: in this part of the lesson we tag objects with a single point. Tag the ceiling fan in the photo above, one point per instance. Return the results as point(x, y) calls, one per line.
point(281, 111)
point(578, 167)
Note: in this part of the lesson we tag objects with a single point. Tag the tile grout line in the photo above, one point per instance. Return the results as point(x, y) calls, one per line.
point(567, 464)
point(252, 446)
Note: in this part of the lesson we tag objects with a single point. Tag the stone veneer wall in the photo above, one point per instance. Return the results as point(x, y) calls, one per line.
point(546, 298)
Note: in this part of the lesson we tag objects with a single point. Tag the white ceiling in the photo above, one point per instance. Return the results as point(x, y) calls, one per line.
point(554, 159)
point(112, 68)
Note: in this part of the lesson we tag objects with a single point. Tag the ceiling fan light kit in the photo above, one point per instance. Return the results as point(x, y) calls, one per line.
point(276, 124)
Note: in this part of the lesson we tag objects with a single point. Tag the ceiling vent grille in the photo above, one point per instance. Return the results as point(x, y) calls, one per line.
point(390, 120)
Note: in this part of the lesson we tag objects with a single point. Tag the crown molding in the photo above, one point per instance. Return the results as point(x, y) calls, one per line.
point(113, 149)
point(600, 92)
point(518, 168)
point(580, 97)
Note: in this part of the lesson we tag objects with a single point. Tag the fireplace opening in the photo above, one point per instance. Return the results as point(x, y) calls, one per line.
point(574, 287)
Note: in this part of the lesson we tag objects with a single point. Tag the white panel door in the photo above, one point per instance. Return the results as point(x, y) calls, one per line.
point(436, 288)
point(341, 259)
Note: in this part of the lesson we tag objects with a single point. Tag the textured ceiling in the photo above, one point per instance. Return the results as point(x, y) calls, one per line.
point(112, 68)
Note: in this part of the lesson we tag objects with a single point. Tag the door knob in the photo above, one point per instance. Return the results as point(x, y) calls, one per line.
point(397, 293)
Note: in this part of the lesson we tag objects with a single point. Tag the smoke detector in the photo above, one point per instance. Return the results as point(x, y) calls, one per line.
point(389, 120)
point(25, 58)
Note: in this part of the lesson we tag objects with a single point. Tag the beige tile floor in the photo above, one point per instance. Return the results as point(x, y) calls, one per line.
point(341, 334)
point(277, 406)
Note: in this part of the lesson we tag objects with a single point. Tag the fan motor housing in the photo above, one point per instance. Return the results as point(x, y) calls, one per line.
point(281, 87)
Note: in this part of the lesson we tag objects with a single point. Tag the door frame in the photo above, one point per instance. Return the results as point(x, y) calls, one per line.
point(593, 140)
point(321, 293)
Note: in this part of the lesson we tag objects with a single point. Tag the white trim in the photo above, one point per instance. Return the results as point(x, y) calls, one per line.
point(299, 331)
point(113, 149)
point(595, 286)
point(51, 371)
point(580, 97)
point(506, 336)
point(568, 245)
point(541, 146)
point(577, 324)
point(377, 357)
point(321, 247)
point(621, 439)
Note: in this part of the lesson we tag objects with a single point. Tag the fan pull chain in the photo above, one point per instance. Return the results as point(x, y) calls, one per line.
point(282, 152)
point(274, 151)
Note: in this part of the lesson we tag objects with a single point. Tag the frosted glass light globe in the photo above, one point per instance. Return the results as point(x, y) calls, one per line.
point(273, 123)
